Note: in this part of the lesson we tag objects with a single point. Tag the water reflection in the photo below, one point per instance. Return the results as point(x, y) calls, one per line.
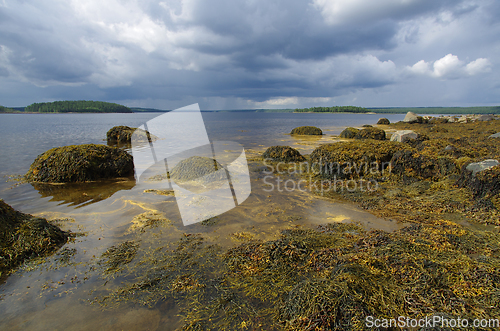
point(82, 194)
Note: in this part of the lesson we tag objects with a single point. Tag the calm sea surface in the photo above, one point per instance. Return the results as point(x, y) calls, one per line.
point(51, 294)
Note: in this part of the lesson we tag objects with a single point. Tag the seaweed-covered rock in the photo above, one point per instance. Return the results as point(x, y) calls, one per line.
point(283, 153)
point(349, 133)
point(410, 163)
point(197, 167)
point(307, 130)
point(23, 236)
point(482, 178)
point(404, 135)
point(371, 133)
point(383, 121)
point(123, 134)
point(438, 120)
point(353, 159)
point(80, 163)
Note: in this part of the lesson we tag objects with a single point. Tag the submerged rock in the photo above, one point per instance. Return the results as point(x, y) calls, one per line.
point(283, 153)
point(307, 130)
point(197, 167)
point(80, 163)
point(404, 135)
point(23, 236)
point(371, 133)
point(123, 134)
point(349, 133)
point(383, 121)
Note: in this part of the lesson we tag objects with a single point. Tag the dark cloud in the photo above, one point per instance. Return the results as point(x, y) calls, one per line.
point(242, 51)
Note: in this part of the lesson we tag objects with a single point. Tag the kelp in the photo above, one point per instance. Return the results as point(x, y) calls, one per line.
point(24, 236)
point(80, 163)
point(330, 278)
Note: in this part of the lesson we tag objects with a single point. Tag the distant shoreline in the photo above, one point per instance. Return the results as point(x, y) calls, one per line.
point(370, 111)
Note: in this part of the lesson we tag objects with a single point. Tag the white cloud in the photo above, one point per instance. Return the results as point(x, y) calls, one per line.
point(450, 67)
point(356, 11)
point(478, 66)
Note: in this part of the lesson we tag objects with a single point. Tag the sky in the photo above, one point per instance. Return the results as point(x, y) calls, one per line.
point(245, 54)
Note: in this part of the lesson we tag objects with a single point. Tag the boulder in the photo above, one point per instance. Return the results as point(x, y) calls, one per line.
point(496, 135)
point(371, 133)
point(383, 121)
point(367, 126)
point(485, 117)
point(404, 135)
point(123, 134)
point(482, 178)
point(349, 133)
point(282, 153)
point(23, 236)
point(80, 163)
point(411, 117)
point(481, 166)
point(307, 130)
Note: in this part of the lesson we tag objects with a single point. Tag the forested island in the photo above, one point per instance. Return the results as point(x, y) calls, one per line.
point(80, 106)
point(403, 110)
point(334, 109)
point(6, 110)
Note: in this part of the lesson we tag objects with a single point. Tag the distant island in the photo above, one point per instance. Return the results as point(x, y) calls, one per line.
point(80, 106)
point(334, 109)
point(107, 107)
point(403, 110)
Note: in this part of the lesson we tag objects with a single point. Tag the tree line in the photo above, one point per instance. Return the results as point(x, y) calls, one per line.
point(6, 110)
point(334, 109)
point(80, 106)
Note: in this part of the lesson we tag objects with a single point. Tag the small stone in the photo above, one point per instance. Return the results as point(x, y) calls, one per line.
point(383, 121)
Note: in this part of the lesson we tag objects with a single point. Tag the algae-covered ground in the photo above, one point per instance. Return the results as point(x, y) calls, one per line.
point(443, 263)
point(23, 237)
point(443, 259)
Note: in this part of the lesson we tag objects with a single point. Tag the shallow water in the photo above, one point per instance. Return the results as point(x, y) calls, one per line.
point(56, 293)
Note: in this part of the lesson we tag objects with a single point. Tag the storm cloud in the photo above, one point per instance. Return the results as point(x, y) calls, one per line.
point(250, 54)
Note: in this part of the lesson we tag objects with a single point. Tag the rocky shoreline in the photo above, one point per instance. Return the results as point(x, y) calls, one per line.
point(437, 175)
